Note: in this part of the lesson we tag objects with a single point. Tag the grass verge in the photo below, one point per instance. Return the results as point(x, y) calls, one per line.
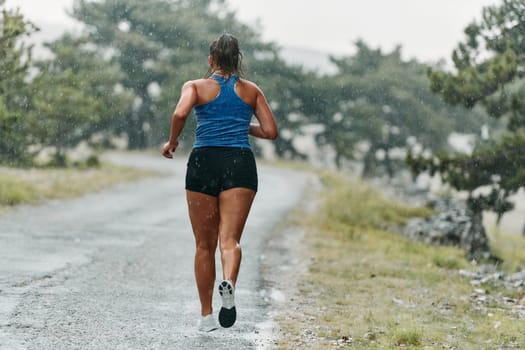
point(27, 186)
point(511, 247)
point(370, 288)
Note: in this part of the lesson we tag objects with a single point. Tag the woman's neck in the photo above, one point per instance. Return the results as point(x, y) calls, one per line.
point(221, 73)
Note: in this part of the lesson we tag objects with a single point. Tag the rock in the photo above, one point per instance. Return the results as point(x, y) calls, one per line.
point(518, 284)
point(487, 269)
point(455, 225)
point(490, 274)
point(517, 277)
point(468, 274)
point(508, 300)
point(370, 336)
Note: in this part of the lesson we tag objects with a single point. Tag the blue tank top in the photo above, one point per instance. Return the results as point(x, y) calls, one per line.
point(224, 121)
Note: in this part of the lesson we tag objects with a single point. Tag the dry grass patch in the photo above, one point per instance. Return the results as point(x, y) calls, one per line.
point(18, 186)
point(511, 247)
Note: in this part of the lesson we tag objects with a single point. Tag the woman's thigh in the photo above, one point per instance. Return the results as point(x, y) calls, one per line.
point(234, 207)
point(204, 216)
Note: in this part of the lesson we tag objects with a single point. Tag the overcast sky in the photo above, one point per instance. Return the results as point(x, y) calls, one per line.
point(427, 29)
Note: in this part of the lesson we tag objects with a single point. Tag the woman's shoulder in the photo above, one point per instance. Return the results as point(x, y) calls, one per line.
point(197, 82)
point(206, 89)
point(249, 85)
point(201, 84)
point(248, 82)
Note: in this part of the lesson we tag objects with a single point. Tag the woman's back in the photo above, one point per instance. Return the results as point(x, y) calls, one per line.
point(224, 109)
point(215, 116)
point(208, 89)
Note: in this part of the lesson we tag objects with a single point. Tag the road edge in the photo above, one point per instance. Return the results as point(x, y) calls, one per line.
point(286, 261)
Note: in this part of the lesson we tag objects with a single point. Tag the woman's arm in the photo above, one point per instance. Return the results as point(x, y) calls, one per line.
point(186, 102)
point(267, 127)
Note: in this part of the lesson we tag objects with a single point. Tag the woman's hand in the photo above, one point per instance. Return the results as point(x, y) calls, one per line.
point(169, 148)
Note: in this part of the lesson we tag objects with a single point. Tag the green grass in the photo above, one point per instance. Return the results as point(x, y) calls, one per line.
point(14, 191)
point(370, 210)
point(371, 284)
point(28, 186)
point(510, 247)
point(408, 337)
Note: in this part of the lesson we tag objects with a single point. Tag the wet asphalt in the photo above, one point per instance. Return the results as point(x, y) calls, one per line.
point(114, 270)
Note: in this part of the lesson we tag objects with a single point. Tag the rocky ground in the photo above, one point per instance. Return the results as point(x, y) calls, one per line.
point(455, 225)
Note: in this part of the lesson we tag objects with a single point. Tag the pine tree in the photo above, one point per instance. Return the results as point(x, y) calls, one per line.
point(489, 72)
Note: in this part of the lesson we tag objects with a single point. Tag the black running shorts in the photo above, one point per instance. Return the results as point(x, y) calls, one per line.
point(215, 169)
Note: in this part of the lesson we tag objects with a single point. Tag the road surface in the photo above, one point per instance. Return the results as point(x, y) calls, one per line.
point(114, 270)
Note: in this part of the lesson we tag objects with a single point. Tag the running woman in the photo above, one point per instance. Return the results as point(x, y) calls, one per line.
point(221, 177)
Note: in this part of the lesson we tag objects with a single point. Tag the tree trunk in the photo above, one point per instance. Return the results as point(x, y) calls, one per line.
point(368, 163)
point(474, 238)
point(60, 157)
point(498, 219)
point(137, 138)
point(135, 132)
point(338, 160)
point(388, 164)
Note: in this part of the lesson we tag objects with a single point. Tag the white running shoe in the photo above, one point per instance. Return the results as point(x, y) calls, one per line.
point(207, 324)
point(228, 313)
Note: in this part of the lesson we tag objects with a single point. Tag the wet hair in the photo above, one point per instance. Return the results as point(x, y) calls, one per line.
point(226, 55)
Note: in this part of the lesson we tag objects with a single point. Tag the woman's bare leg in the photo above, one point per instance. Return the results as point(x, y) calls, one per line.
point(234, 206)
point(204, 217)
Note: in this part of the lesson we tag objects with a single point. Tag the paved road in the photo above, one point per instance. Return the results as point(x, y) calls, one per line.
point(114, 270)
